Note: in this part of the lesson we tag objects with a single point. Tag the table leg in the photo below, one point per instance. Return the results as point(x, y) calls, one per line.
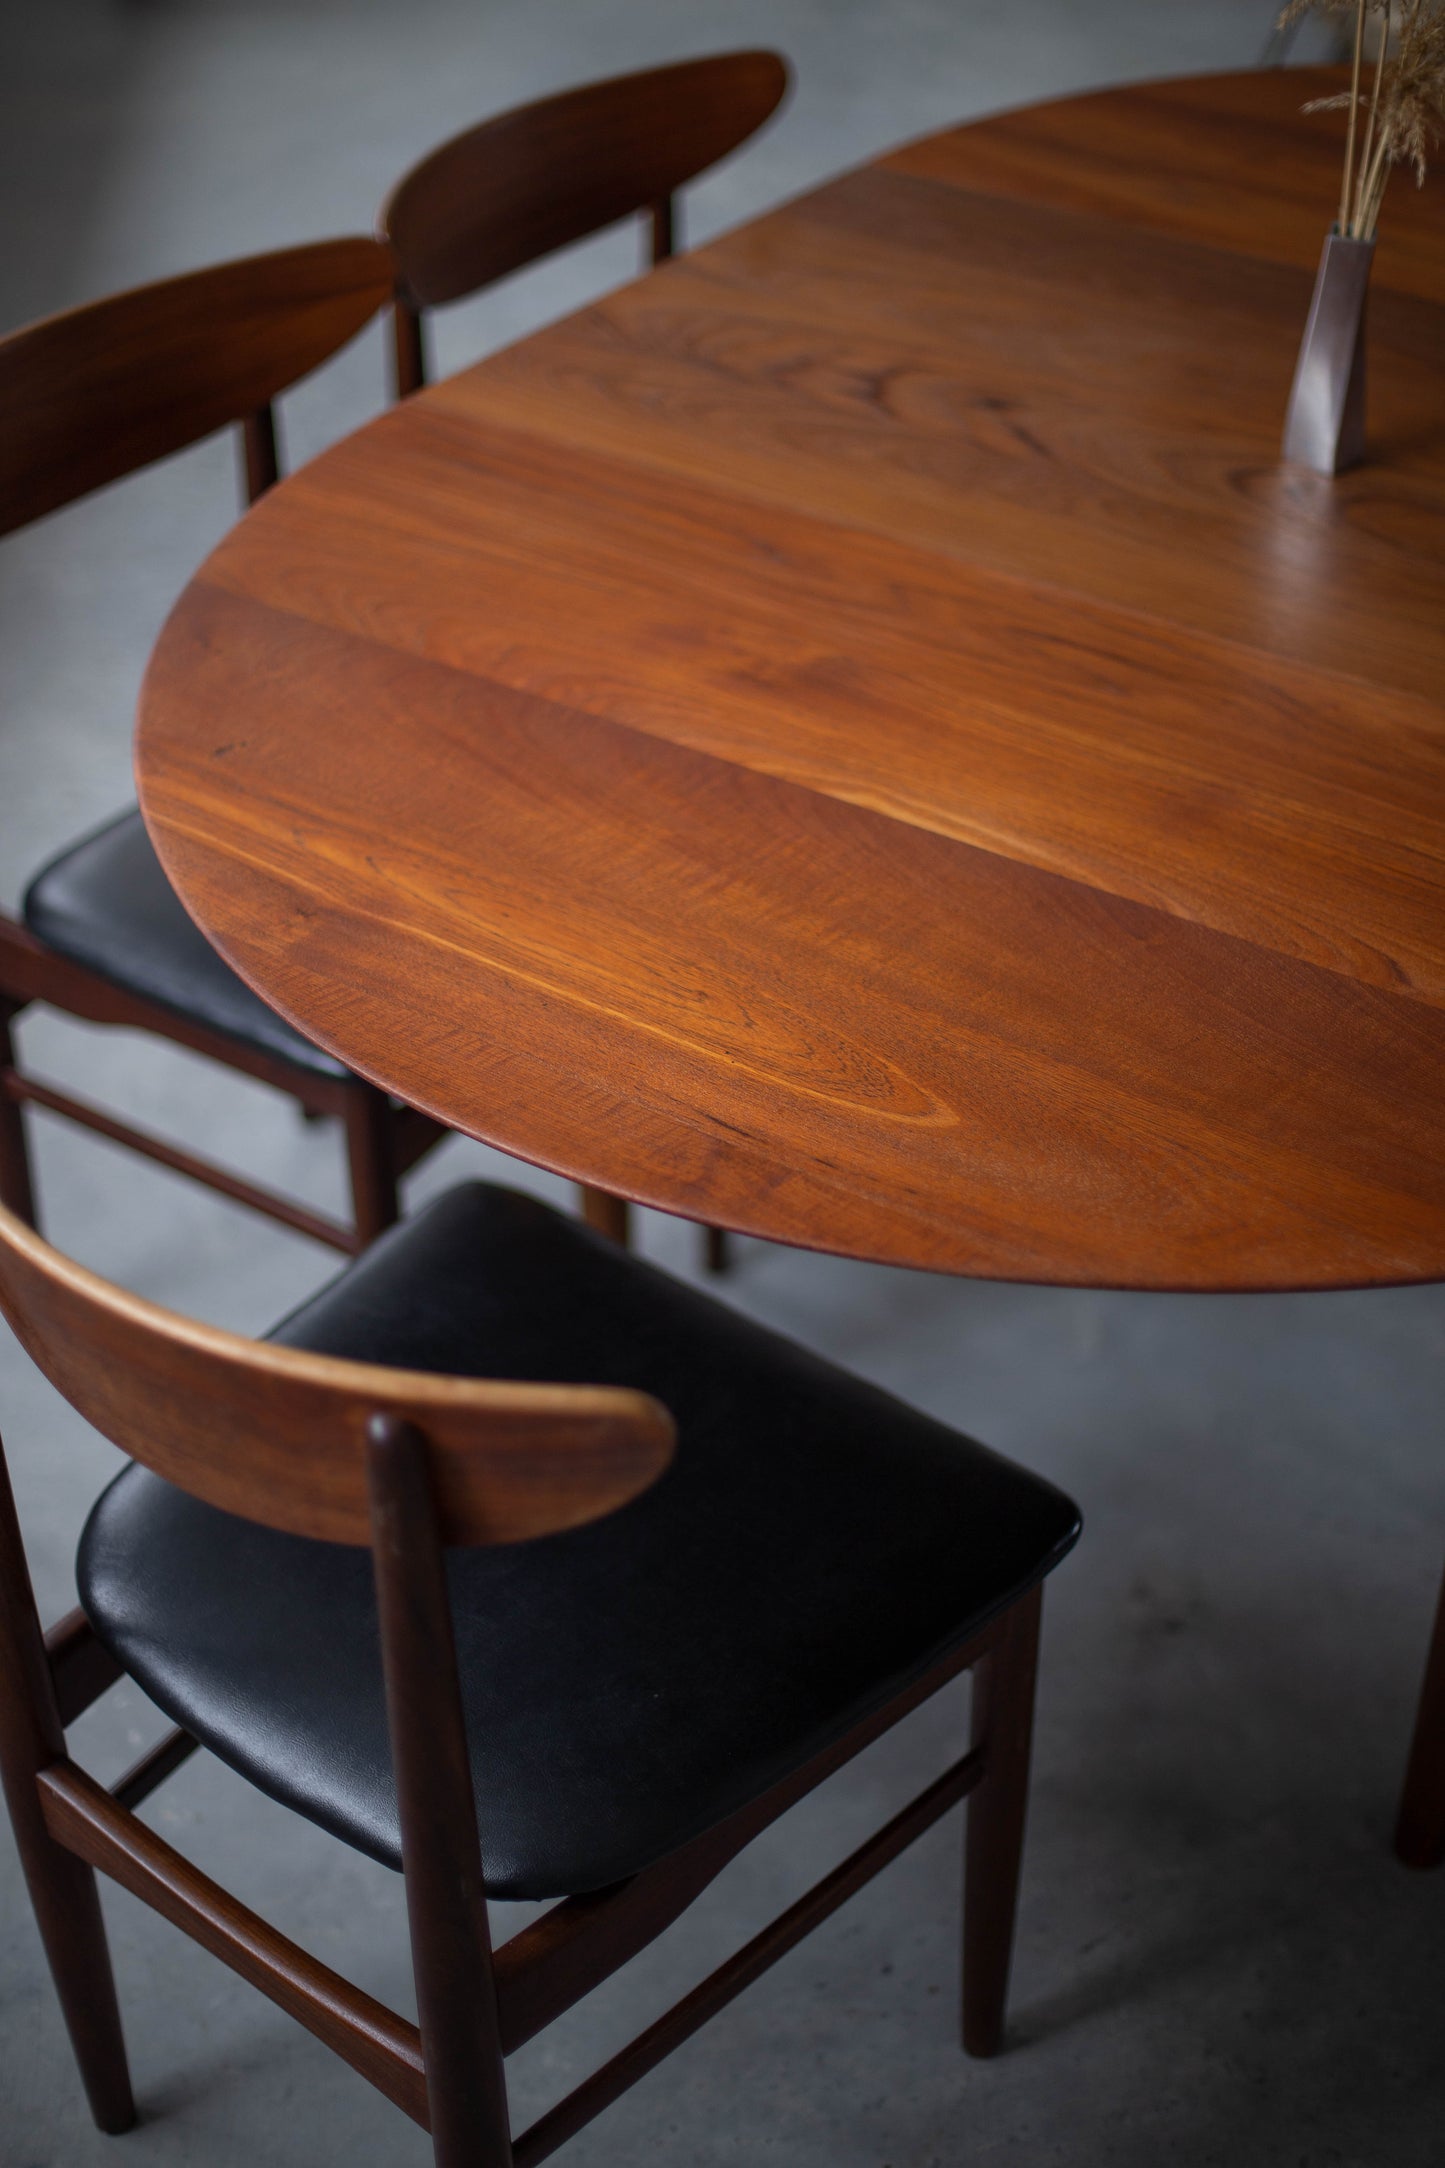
point(608, 1214)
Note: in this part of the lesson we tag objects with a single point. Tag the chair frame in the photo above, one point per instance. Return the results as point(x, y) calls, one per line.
point(92, 395)
point(411, 1464)
point(632, 142)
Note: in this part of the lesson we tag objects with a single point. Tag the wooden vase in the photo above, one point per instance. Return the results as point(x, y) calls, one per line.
point(1325, 425)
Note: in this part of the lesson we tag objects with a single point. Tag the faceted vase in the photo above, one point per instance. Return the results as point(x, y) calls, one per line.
point(1325, 425)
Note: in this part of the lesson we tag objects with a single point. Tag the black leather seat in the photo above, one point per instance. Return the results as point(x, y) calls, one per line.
point(106, 903)
point(814, 1546)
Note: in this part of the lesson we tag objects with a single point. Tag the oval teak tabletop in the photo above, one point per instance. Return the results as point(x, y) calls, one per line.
point(857, 737)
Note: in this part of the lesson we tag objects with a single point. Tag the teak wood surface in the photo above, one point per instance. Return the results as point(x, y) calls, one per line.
point(858, 737)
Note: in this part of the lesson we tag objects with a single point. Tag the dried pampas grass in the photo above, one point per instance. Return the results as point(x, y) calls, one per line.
point(1404, 109)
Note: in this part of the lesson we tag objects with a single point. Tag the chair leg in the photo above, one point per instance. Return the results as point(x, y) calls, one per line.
point(446, 1898)
point(17, 1184)
point(1420, 1830)
point(371, 1157)
point(611, 1216)
point(62, 1888)
point(1003, 1719)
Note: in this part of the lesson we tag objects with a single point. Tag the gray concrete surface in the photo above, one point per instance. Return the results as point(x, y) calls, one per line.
point(1218, 1959)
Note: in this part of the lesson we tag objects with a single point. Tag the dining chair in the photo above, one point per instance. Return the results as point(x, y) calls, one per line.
point(87, 397)
point(580, 1638)
point(541, 176)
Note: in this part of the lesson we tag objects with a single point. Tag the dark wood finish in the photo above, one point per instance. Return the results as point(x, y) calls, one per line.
point(81, 1815)
point(91, 395)
point(81, 1666)
point(531, 180)
point(664, 230)
point(409, 349)
point(446, 1898)
point(17, 1184)
point(908, 772)
point(38, 975)
point(233, 1421)
point(103, 389)
point(17, 1089)
point(150, 1772)
point(261, 457)
point(573, 1947)
point(1003, 1723)
point(371, 1159)
point(611, 1216)
point(1420, 1830)
point(749, 1964)
point(62, 1888)
point(35, 974)
point(278, 1435)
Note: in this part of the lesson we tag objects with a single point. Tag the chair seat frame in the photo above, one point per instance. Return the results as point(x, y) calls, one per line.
point(93, 395)
point(383, 1141)
point(476, 2007)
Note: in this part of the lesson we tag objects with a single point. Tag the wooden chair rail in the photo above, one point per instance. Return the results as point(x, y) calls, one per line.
point(81, 1666)
point(99, 1827)
point(82, 1815)
point(31, 972)
point(748, 1964)
point(94, 394)
point(22, 1088)
point(382, 1140)
point(152, 1769)
point(573, 1947)
point(580, 1941)
point(541, 1972)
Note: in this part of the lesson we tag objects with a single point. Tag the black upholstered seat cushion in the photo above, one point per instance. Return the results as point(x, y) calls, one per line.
point(106, 903)
point(814, 1546)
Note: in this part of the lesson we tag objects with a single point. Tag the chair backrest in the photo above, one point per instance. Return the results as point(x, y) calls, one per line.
point(280, 1436)
point(531, 180)
point(94, 393)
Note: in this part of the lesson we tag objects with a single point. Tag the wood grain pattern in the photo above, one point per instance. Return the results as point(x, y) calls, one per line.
point(528, 181)
point(386, 2049)
point(1203, 157)
point(100, 390)
point(279, 1435)
point(857, 737)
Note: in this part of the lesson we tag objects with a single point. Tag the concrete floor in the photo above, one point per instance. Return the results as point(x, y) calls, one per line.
point(1218, 1959)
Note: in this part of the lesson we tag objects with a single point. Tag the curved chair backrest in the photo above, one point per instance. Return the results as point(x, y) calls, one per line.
point(94, 393)
point(533, 179)
point(280, 1436)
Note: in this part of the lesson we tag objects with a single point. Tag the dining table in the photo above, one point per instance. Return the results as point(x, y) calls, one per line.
point(858, 737)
